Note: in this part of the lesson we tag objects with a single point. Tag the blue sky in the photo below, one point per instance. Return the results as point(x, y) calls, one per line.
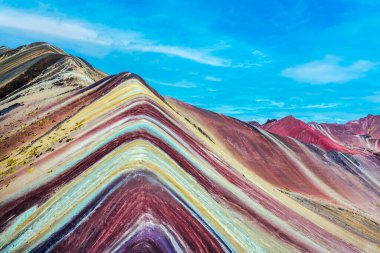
point(253, 60)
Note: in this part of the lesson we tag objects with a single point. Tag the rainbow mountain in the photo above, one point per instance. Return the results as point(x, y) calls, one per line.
point(98, 163)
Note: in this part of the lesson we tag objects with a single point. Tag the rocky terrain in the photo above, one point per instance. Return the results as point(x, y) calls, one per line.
point(97, 163)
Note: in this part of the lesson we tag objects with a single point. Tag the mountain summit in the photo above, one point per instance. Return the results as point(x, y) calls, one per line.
point(97, 163)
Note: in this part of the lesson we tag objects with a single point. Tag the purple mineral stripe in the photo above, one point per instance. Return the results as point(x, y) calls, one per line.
point(152, 235)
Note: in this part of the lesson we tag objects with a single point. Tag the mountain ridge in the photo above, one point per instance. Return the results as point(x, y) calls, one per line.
point(114, 166)
point(359, 135)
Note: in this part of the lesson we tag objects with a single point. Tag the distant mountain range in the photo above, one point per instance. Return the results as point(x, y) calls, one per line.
point(97, 163)
point(353, 137)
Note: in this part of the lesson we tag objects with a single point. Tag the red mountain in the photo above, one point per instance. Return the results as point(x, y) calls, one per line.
point(290, 126)
point(363, 134)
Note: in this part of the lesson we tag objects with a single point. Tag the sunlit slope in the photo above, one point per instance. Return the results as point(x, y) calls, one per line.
point(290, 126)
point(36, 83)
point(342, 188)
point(127, 170)
point(362, 134)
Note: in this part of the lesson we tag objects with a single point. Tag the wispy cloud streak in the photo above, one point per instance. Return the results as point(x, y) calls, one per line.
point(328, 70)
point(180, 84)
point(129, 41)
point(67, 29)
point(213, 79)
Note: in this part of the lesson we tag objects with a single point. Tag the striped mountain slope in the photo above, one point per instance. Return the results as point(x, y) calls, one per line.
point(115, 167)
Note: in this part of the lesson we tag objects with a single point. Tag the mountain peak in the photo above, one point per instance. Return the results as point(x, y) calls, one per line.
point(290, 117)
point(254, 123)
point(291, 120)
point(293, 127)
point(34, 60)
point(100, 163)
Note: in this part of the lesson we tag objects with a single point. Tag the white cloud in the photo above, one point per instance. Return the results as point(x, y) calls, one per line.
point(277, 104)
point(196, 55)
point(375, 98)
point(228, 109)
point(128, 41)
point(321, 106)
point(270, 102)
point(262, 58)
point(213, 79)
point(328, 117)
point(259, 53)
point(179, 84)
point(346, 98)
point(328, 70)
point(233, 110)
point(262, 100)
point(57, 27)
